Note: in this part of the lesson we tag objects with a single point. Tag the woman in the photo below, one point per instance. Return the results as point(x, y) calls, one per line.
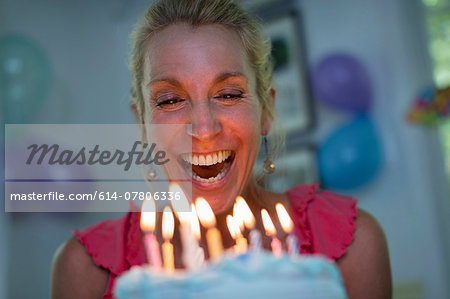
point(204, 63)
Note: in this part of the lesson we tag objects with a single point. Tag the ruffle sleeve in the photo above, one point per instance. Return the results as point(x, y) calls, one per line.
point(114, 244)
point(323, 221)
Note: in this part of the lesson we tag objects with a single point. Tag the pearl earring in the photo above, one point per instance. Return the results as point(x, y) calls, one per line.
point(268, 166)
point(151, 174)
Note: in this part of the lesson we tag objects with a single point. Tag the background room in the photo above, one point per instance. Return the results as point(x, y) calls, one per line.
point(379, 118)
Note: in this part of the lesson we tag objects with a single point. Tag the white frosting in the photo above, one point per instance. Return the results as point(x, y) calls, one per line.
point(252, 275)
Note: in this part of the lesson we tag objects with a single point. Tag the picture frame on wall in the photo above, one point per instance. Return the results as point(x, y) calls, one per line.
point(293, 105)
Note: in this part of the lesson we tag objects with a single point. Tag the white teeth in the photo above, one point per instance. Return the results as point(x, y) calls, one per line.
point(208, 159)
point(220, 175)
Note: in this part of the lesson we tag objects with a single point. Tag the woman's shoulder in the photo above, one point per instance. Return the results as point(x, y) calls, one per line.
point(93, 254)
point(330, 223)
point(74, 273)
point(114, 244)
point(324, 221)
point(365, 267)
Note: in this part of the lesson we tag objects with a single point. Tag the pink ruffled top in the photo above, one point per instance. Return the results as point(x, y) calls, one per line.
point(324, 223)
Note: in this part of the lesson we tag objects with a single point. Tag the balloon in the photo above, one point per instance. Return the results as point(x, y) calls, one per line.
point(351, 156)
point(25, 76)
point(341, 82)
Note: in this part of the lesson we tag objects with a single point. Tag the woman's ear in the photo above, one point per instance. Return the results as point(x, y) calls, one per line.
point(268, 112)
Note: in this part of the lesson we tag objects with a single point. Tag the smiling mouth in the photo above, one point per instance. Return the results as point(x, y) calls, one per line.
point(208, 168)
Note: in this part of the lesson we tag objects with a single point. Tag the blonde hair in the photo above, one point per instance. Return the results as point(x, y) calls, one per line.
point(196, 13)
point(227, 13)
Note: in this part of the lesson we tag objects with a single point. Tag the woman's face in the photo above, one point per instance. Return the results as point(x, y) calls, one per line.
point(201, 77)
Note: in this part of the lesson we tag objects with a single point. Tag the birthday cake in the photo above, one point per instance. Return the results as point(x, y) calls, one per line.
point(250, 275)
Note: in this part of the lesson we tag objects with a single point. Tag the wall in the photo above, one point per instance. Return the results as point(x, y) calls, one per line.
point(389, 38)
point(88, 45)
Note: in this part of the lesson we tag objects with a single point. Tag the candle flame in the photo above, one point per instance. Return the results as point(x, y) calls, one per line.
point(267, 222)
point(233, 227)
point(167, 223)
point(249, 219)
point(181, 206)
point(205, 213)
point(238, 217)
point(148, 216)
point(285, 220)
point(195, 226)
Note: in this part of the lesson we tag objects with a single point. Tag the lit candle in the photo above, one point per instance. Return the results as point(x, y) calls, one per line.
point(148, 222)
point(249, 222)
point(192, 255)
point(208, 220)
point(271, 232)
point(241, 243)
point(195, 225)
point(167, 232)
point(180, 206)
point(287, 225)
point(197, 258)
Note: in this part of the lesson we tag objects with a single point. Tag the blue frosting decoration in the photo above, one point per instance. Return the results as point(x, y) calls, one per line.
point(260, 275)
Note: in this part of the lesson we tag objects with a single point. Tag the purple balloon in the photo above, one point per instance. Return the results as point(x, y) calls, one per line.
point(340, 81)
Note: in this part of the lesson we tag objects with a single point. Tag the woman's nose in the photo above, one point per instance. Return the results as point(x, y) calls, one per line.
point(204, 120)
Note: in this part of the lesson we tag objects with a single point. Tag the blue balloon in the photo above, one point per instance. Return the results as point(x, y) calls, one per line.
point(341, 81)
point(351, 156)
point(25, 77)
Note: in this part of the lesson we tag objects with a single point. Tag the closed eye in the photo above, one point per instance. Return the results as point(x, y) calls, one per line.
point(229, 98)
point(170, 103)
